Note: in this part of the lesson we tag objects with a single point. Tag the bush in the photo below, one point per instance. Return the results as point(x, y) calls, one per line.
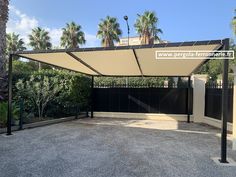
point(132, 81)
point(40, 90)
point(53, 93)
point(3, 113)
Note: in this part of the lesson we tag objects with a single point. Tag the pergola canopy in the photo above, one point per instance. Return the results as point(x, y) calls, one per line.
point(125, 60)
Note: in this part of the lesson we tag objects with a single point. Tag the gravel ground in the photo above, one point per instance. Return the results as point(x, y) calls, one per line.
point(103, 147)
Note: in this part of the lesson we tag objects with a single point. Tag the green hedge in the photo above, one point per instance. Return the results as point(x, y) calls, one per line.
point(72, 90)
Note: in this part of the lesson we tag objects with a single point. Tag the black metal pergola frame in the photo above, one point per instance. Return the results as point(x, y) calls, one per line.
point(224, 45)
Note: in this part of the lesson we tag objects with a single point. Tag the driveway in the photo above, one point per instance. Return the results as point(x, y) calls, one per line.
point(103, 147)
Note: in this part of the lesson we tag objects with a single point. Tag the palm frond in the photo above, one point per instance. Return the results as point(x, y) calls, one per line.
point(109, 31)
point(146, 27)
point(14, 43)
point(72, 36)
point(40, 39)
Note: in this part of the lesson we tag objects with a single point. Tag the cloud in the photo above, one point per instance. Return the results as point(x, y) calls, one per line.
point(55, 35)
point(91, 40)
point(21, 23)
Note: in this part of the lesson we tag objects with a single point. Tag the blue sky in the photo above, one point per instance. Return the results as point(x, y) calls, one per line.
point(180, 20)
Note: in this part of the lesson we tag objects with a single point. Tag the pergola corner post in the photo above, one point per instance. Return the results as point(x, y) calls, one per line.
point(92, 96)
point(188, 99)
point(234, 112)
point(224, 106)
point(9, 112)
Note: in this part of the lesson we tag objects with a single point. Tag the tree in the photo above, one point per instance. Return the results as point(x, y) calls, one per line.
point(40, 90)
point(60, 90)
point(146, 27)
point(80, 90)
point(20, 67)
point(3, 113)
point(3, 21)
point(40, 40)
point(14, 43)
point(213, 68)
point(72, 36)
point(109, 31)
point(233, 23)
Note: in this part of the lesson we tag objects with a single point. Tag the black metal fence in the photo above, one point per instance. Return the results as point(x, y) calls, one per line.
point(141, 99)
point(213, 100)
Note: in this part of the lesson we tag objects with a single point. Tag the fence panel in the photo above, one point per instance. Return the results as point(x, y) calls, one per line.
point(213, 100)
point(142, 100)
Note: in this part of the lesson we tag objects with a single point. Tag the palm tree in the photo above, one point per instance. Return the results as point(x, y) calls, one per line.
point(109, 31)
point(72, 36)
point(3, 21)
point(146, 27)
point(14, 43)
point(233, 23)
point(40, 40)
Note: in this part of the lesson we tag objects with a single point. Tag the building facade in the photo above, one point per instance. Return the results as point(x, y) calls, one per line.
point(135, 41)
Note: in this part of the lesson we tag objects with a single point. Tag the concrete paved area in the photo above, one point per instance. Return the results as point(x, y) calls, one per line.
point(103, 147)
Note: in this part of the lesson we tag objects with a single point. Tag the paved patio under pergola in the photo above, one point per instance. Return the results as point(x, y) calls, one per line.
point(105, 147)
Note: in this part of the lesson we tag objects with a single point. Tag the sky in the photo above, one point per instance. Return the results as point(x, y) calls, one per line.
point(180, 20)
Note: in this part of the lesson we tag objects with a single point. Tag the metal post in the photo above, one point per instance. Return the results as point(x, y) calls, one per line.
point(126, 19)
point(128, 32)
point(224, 105)
point(92, 97)
point(188, 99)
point(9, 113)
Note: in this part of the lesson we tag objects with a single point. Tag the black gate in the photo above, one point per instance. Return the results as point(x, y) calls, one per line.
point(142, 100)
point(213, 101)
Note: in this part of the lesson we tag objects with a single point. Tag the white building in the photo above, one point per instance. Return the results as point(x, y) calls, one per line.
point(135, 41)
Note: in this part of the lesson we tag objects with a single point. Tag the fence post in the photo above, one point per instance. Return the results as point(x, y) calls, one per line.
point(234, 112)
point(92, 96)
point(199, 82)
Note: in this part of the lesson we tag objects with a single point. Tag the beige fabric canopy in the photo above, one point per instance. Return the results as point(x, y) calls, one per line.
point(125, 61)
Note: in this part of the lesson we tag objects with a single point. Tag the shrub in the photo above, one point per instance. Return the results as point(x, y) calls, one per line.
point(3, 113)
point(132, 81)
point(53, 93)
point(40, 90)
